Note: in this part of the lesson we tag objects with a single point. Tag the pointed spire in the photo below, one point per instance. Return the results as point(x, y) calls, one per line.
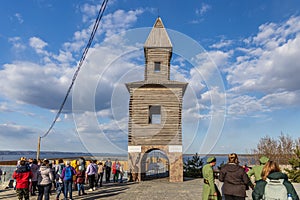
point(158, 36)
point(158, 23)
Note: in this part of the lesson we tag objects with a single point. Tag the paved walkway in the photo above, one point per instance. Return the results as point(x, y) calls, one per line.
point(159, 189)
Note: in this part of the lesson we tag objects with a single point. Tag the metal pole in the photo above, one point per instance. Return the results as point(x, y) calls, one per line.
point(38, 148)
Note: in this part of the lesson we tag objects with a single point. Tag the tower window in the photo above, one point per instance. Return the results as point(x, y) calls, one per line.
point(154, 115)
point(157, 66)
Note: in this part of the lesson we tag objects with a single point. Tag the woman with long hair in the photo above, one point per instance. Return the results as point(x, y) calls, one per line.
point(271, 171)
point(270, 167)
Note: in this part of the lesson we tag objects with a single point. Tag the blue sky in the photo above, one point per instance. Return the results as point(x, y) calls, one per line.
point(240, 58)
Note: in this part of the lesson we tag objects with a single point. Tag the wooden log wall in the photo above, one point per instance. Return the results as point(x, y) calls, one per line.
point(158, 55)
point(169, 130)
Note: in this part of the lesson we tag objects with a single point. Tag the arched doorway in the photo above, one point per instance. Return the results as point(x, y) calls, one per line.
point(154, 165)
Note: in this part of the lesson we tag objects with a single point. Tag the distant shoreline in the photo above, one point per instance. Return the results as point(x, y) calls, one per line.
point(8, 152)
point(10, 157)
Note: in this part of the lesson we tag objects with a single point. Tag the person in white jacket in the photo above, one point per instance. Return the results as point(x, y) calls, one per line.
point(45, 178)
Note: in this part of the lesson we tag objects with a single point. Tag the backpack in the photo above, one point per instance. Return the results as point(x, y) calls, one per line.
point(60, 168)
point(275, 190)
point(68, 174)
point(58, 171)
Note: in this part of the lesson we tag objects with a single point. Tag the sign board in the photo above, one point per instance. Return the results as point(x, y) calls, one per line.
point(175, 148)
point(135, 149)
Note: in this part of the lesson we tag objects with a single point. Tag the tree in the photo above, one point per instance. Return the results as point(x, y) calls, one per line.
point(294, 173)
point(285, 147)
point(279, 150)
point(193, 167)
point(284, 151)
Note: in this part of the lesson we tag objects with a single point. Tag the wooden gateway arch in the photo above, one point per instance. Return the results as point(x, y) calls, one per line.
point(155, 109)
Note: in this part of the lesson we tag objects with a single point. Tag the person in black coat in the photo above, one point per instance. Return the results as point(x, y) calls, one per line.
point(235, 179)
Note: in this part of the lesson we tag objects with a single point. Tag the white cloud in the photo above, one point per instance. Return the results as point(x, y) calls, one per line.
point(265, 76)
point(204, 8)
point(279, 99)
point(38, 45)
point(64, 57)
point(45, 85)
point(267, 31)
point(243, 106)
point(89, 12)
point(4, 107)
point(18, 45)
point(119, 21)
point(9, 133)
point(200, 12)
point(223, 43)
point(196, 21)
point(212, 93)
point(105, 113)
point(73, 46)
point(272, 70)
point(272, 35)
point(33, 84)
point(220, 58)
point(27, 139)
point(101, 134)
point(83, 34)
point(111, 24)
point(204, 96)
point(19, 18)
point(207, 69)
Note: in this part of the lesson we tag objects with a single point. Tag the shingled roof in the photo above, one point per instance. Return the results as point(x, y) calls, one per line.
point(158, 36)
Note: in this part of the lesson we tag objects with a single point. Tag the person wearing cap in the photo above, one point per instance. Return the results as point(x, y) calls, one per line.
point(209, 189)
point(256, 170)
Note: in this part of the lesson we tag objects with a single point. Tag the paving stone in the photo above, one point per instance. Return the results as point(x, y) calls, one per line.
point(159, 189)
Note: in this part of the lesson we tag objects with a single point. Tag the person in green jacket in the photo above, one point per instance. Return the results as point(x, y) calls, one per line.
point(209, 190)
point(256, 170)
point(272, 171)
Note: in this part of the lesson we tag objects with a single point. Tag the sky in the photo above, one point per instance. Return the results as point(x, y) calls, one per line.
point(240, 59)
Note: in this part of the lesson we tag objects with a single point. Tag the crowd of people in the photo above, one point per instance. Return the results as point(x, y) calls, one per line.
point(43, 178)
point(269, 181)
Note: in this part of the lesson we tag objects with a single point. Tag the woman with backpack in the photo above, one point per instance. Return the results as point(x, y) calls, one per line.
point(67, 175)
point(272, 176)
point(100, 174)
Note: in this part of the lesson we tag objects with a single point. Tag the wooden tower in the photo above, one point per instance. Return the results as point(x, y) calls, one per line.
point(155, 108)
